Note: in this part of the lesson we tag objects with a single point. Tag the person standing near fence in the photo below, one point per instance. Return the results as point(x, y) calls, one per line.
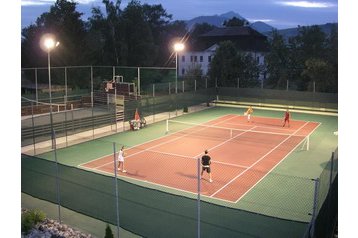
point(286, 118)
point(205, 162)
point(121, 155)
point(248, 113)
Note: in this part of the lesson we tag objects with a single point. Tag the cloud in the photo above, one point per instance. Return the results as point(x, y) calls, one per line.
point(262, 20)
point(50, 2)
point(307, 4)
point(36, 3)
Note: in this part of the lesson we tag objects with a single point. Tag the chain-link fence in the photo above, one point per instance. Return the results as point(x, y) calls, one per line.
point(152, 205)
point(325, 206)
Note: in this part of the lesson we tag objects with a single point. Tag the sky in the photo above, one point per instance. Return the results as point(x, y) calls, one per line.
point(277, 13)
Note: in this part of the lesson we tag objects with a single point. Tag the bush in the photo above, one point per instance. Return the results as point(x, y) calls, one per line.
point(109, 233)
point(30, 218)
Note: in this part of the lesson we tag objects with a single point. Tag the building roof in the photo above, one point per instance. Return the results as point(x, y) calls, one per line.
point(233, 31)
point(244, 37)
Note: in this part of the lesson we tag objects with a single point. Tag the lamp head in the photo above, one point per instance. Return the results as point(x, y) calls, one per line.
point(48, 42)
point(178, 47)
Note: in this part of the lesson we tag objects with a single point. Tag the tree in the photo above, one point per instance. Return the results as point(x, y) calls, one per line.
point(235, 22)
point(65, 23)
point(277, 61)
point(109, 233)
point(229, 64)
point(138, 35)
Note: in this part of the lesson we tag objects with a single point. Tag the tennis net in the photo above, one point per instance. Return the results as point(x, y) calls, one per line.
point(248, 136)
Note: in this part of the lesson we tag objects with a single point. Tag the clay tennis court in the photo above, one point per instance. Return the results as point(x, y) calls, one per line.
point(242, 153)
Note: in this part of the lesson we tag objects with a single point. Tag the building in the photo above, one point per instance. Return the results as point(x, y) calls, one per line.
point(244, 37)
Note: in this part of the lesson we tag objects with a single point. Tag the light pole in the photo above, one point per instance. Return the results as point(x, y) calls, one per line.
point(49, 44)
point(177, 48)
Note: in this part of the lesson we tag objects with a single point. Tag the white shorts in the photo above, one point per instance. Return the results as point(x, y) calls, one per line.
point(120, 159)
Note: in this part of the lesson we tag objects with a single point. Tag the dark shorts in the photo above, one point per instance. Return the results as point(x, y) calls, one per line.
point(206, 168)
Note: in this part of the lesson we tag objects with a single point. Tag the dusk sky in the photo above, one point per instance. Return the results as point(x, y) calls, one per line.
point(277, 13)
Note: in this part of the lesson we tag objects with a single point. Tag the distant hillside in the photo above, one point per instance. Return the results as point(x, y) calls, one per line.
point(261, 27)
point(216, 20)
point(292, 32)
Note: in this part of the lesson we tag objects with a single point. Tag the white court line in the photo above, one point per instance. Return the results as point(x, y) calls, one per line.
point(258, 161)
point(268, 127)
point(163, 143)
point(194, 158)
point(146, 142)
point(277, 164)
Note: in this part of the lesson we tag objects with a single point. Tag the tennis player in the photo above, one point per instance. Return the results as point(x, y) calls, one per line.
point(286, 118)
point(248, 113)
point(121, 159)
point(205, 162)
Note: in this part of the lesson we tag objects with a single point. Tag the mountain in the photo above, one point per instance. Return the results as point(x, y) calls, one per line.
point(261, 27)
point(216, 20)
point(292, 32)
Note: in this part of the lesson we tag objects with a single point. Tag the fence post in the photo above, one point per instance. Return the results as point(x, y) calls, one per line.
point(116, 184)
point(286, 85)
point(66, 91)
point(331, 170)
point(153, 102)
point(92, 86)
point(238, 82)
point(138, 76)
point(33, 127)
point(57, 178)
point(314, 209)
point(37, 94)
point(199, 181)
point(314, 86)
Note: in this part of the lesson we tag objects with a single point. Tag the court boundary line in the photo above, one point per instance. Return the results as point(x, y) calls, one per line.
point(81, 165)
point(160, 186)
point(319, 124)
point(163, 143)
point(186, 191)
point(264, 156)
point(193, 158)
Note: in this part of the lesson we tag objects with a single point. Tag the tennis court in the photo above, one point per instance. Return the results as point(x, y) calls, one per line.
point(242, 153)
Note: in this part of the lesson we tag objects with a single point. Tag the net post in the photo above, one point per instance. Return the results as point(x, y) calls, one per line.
point(116, 184)
point(230, 133)
point(308, 143)
point(199, 178)
point(167, 126)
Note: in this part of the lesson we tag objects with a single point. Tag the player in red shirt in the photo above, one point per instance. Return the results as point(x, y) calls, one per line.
point(286, 119)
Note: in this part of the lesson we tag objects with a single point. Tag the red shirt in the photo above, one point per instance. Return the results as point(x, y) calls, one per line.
point(287, 115)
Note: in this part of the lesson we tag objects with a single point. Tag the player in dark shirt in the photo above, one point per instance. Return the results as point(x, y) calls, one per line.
point(205, 162)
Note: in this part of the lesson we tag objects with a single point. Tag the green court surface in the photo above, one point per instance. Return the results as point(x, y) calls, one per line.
point(278, 206)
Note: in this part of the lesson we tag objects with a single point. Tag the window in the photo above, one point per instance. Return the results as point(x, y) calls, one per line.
point(201, 58)
point(209, 58)
point(182, 71)
point(195, 58)
point(183, 58)
point(191, 58)
point(258, 59)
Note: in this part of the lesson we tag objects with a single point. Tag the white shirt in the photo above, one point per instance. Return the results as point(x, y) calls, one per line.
point(121, 155)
